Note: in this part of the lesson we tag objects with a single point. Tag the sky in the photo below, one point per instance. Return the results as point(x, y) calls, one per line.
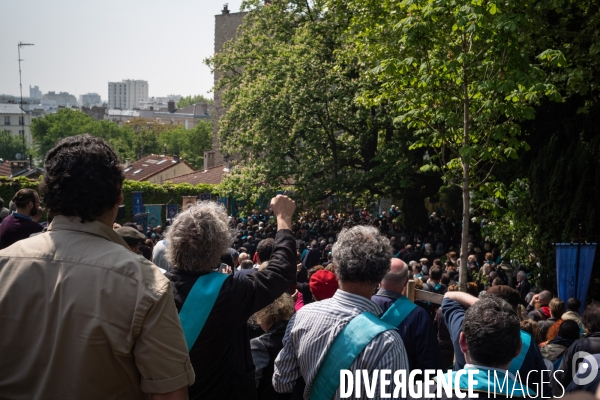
point(81, 45)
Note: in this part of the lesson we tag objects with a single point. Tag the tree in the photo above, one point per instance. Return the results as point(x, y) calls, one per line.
point(190, 100)
point(190, 144)
point(10, 145)
point(289, 89)
point(461, 75)
point(53, 127)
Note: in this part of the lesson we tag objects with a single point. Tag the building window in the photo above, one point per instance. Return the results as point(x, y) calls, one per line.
point(7, 120)
point(21, 120)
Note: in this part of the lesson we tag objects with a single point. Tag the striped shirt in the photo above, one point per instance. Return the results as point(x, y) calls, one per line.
point(311, 332)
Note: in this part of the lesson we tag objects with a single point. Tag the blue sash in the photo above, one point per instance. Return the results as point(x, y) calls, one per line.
point(485, 383)
point(517, 362)
point(347, 345)
point(398, 311)
point(199, 304)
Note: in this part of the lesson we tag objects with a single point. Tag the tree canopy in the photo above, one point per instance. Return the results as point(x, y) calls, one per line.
point(189, 100)
point(131, 140)
point(10, 145)
point(289, 87)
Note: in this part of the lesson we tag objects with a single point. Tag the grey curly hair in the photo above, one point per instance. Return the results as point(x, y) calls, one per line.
point(361, 254)
point(198, 237)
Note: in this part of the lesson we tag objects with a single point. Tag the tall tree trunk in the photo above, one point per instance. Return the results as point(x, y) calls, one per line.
point(464, 264)
point(464, 244)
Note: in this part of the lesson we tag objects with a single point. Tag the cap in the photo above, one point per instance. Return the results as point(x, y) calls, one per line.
point(129, 233)
point(323, 284)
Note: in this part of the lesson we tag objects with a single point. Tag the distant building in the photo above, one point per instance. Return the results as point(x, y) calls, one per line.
point(156, 168)
point(16, 120)
point(63, 99)
point(89, 100)
point(9, 99)
point(35, 92)
point(25, 168)
point(156, 103)
point(226, 26)
point(96, 112)
point(212, 176)
point(128, 94)
point(186, 116)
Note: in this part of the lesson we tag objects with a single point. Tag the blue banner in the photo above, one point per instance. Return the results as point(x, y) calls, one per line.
point(154, 215)
point(142, 219)
point(138, 203)
point(223, 201)
point(172, 211)
point(568, 275)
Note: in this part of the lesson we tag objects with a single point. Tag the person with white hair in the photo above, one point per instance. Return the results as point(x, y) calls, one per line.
point(343, 332)
point(213, 307)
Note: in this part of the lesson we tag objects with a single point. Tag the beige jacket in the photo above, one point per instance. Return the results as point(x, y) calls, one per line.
point(83, 317)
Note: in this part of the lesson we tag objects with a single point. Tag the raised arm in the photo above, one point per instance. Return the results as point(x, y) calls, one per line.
point(464, 299)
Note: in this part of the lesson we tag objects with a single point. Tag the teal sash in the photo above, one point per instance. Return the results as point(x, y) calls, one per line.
point(199, 304)
point(517, 362)
point(485, 383)
point(347, 345)
point(398, 311)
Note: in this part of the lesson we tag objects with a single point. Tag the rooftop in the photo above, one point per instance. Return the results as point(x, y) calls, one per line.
point(11, 109)
point(150, 166)
point(213, 175)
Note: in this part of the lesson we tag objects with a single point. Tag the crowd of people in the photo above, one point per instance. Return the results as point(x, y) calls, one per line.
point(266, 306)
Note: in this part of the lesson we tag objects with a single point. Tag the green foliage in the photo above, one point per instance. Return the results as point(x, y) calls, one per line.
point(134, 138)
point(289, 87)
point(10, 145)
point(153, 193)
point(189, 100)
point(571, 27)
point(509, 223)
point(8, 187)
point(461, 75)
point(190, 144)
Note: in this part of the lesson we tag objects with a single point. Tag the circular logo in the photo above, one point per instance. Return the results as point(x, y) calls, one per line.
point(588, 368)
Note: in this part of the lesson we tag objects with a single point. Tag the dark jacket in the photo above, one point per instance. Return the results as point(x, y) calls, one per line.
point(422, 349)
point(221, 355)
point(454, 315)
point(273, 343)
point(14, 229)
point(443, 337)
point(524, 288)
point(589, 344)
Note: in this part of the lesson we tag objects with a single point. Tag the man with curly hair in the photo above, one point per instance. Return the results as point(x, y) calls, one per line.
point(81, 315)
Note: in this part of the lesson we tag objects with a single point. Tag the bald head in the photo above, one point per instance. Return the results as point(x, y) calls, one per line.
point(396, 278)
point(545, 296)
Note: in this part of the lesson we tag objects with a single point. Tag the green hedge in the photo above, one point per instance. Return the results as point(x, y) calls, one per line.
point(153, 193)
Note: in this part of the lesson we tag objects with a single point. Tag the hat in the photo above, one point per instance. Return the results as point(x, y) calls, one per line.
point(130, 234)
point(323, 284)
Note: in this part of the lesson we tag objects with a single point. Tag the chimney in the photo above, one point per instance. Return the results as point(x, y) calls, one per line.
point(209, 159)
point(225, 9)
point(176, 157)
point(171, 105)
point(17, 166)
point(204, 108)
point(165, 150)
point(127, 162)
